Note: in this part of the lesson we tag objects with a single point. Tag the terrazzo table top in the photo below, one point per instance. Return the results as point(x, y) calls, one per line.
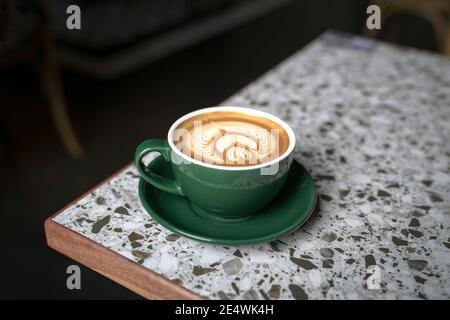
point(373, 127)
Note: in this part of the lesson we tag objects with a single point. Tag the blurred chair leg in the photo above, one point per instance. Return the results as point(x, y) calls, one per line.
point(52, 85)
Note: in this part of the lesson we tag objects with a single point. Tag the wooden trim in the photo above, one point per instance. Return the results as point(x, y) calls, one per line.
point(112, 265)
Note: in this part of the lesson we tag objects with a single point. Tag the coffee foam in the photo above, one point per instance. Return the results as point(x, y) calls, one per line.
point(231, 138)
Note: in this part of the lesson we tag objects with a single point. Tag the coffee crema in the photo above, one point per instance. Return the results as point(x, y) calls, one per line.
point(231, 138)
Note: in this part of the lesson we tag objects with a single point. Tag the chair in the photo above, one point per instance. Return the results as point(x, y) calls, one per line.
point(435, 12)
point(37, 46)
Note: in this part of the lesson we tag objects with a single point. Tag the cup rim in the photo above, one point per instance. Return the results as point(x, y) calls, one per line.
point(290, 132)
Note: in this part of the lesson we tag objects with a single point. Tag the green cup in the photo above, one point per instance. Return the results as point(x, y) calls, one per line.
point(216, 191)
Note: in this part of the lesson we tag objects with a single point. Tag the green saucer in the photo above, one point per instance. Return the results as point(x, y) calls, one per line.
point(289, 210)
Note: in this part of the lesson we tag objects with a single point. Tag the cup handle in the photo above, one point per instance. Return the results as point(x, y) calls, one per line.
point(156, 180)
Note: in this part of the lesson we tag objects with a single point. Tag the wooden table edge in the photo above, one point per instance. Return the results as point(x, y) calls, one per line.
point(112, 265)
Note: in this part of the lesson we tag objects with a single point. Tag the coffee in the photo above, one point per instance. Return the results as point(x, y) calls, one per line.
point(231, 138)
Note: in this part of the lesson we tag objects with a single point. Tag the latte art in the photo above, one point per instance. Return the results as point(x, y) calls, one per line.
point(231, 139)
point(230, 142)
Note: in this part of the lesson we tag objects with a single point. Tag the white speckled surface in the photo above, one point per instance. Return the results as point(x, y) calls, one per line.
point(373, 125)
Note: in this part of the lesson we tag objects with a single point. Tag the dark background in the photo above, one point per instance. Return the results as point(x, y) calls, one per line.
point(111, 116)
